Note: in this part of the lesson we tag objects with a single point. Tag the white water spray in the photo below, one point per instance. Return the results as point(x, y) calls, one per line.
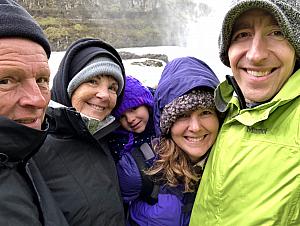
point(202, 40)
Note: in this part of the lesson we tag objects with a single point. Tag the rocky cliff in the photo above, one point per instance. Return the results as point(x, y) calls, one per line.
point(122, 23)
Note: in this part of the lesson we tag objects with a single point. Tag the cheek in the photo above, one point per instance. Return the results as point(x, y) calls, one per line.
point(124, 123)
point(146, 117)
point(7, 107)
point(113, 100)
point(77, 101)
point(47, 96)
point(232, 58)
point(214, 126)
point(178, 128)
point(235, 53)
point(289, 58)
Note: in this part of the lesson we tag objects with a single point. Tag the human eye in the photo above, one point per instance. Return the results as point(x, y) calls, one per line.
point(7, 82)
point(276, 34)
point(241, 35)
point(92, 81)
point(113, 87)
point(184, 117)
point(43, 81)
point(206, 112)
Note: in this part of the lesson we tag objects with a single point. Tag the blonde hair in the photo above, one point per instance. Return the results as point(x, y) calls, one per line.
point(174, 167)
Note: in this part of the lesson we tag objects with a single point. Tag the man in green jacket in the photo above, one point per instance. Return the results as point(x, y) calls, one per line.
point(252, 176)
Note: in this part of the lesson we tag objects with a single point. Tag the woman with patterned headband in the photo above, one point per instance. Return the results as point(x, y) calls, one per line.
point(187, 123)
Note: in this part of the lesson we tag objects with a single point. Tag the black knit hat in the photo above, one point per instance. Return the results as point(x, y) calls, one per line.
point(77, 56)
point(15, 21)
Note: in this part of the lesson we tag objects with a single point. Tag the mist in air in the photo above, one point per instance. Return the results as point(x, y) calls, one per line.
point(200, 40)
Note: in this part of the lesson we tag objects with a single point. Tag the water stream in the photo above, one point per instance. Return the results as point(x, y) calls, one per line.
point(201, 42)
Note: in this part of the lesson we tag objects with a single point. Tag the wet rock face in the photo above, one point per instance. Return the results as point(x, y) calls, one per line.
point(149, 60)
point(128, 55)
point(149, 63)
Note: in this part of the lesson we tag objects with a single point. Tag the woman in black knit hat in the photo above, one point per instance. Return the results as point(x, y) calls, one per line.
point(75, 160)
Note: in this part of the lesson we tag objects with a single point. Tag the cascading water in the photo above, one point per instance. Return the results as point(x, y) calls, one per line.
point(203, 33)
point(200, 40)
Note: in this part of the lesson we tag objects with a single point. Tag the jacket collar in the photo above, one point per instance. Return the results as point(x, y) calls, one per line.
point(227, 100)
point(18, 142)
point(67, 121)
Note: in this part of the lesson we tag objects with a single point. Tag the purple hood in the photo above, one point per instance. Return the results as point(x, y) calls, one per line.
point(180, 76)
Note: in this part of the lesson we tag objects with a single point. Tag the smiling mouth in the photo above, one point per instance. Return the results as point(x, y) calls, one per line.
point(259, 73)
point(135, 125)
point(195, 139)
point(97, 107)
point(26, 121)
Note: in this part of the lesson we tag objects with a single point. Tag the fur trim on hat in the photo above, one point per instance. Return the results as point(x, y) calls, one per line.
point(194, 100)
point(286, 12)
point(15, 21)
point(97, 66)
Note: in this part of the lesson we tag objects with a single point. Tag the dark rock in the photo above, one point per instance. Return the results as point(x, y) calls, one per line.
point(128, 56)
point(149, 63)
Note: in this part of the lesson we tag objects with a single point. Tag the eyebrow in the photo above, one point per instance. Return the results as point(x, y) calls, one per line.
point(246, 24)
point(240, 25)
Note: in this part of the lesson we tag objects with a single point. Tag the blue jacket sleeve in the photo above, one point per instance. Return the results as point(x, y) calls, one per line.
point(166, 212)
point(129, 178)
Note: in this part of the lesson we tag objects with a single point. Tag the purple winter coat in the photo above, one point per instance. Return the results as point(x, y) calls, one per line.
point(179, 77)
point(122, 142)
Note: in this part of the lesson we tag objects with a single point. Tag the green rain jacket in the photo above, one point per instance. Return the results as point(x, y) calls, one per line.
point(252, 176)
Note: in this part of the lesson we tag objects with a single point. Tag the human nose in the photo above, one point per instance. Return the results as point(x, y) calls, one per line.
point(32, 95)
point(194, 123)
point(130, 118)
point(102, 93)
point(258, 49)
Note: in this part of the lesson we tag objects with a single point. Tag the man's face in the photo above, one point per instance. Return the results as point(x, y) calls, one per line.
point(24, 81)
point(260, 57)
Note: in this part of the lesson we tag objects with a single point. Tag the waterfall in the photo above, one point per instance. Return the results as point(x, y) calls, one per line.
point(203, 33)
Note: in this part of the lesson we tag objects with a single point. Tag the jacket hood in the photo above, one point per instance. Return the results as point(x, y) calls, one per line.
point(76, 57)
point(180, 76)
point(135, 95)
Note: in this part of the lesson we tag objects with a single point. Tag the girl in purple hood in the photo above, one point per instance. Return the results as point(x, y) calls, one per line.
point(135, 115)
point(187, 124)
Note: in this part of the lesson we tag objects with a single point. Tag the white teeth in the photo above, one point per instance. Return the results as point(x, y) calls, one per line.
point(97, 107)
point(258, 73)
point(194, 139)
point(25, 121)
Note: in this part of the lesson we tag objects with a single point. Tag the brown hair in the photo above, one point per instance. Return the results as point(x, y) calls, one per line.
point(174, 167)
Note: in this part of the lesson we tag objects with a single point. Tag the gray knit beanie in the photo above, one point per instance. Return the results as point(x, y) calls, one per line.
point(15, 21)
point(286, 12)
point(99, 65)
point(191, 101)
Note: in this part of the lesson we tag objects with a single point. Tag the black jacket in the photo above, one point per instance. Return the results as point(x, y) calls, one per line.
point(25, 198)
point(80, 171)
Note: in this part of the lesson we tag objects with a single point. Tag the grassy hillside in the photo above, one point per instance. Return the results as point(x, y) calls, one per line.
point(121, 23)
